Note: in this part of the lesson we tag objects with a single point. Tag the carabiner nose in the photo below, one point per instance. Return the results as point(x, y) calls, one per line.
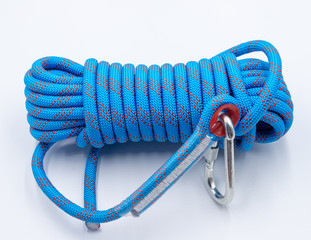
point(211, 155)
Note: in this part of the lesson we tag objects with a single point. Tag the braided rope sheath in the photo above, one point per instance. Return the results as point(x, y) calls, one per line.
point(103, 104)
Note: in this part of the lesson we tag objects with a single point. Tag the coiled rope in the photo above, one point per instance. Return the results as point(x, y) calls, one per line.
point(102, 104)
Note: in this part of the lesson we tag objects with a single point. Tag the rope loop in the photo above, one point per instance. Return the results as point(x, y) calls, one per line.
point(102, 104)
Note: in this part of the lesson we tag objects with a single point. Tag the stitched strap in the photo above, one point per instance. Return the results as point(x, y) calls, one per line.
point(103, 104)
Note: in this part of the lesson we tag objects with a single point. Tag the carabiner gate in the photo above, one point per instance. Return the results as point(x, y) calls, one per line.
point(211, 155)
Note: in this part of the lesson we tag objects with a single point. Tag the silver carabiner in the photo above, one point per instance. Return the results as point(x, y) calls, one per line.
point(211, 155)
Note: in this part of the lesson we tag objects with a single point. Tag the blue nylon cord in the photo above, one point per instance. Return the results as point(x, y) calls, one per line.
point(103, 104)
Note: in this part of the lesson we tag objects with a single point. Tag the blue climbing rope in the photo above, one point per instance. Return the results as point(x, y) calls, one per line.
point(102, 104)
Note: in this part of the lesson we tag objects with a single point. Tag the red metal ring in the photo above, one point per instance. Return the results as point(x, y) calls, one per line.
point(216, 127)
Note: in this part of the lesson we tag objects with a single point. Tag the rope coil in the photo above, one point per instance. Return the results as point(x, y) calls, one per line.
point(103, 104)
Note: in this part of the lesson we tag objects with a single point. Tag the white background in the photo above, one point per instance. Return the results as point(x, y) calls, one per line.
point(273, 195)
